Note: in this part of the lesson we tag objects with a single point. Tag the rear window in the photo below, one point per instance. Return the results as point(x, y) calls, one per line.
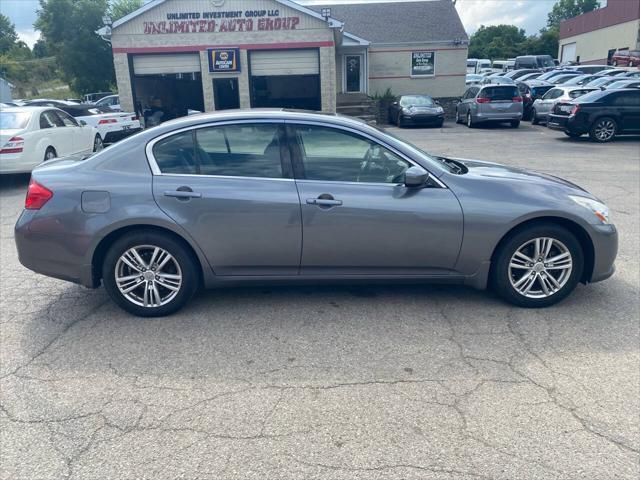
point(14, 120)
point(499, 93)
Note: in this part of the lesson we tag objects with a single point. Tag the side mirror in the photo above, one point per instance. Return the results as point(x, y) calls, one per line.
point(83, 123)
point(415, 177)
point(394, 103)
point(437, 102)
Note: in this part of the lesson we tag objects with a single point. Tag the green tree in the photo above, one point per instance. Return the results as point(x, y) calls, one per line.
point(121, 8)
point(68, 27)
point(564, 9)
point(496, 41)
point(8, 35)
point(41, 49)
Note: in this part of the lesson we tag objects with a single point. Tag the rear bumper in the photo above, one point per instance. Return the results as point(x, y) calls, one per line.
point(497, 117)
point(566, 124)
point(54, 255)
point(114, 136)
point(15, 163)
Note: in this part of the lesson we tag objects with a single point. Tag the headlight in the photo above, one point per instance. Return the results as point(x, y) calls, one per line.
point(599, 209)
point(406, 110)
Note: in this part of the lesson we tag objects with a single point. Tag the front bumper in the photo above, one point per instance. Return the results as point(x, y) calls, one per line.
point(422, 119)
point(605, 247)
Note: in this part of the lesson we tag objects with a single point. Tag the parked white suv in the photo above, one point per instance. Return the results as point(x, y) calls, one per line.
point(543, 107)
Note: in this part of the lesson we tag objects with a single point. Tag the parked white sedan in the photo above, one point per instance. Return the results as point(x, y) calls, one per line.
point(32, 135)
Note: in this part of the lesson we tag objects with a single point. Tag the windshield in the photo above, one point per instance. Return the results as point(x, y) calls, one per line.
point(14, 120)
point(416, 101)
point(619, 84)
point(546, 62)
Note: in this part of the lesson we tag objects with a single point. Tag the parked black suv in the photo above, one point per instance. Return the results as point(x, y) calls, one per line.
point(602, 114)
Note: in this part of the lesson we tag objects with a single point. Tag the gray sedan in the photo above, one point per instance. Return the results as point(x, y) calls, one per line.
point(247, 197)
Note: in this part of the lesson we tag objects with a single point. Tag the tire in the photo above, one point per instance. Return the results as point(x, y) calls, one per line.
point(165, 301)
point(470, 123)
point(49, 154)
point(614, 63)
point(515, 123)
point(543, 292)
point(399, 121)
point(440, 124)
point(603, 130)
point(534, 118)
point(573, 135)
point(97, 143)
point(458, 119)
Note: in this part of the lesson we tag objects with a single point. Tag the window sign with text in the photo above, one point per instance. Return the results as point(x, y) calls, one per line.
point(423, 64)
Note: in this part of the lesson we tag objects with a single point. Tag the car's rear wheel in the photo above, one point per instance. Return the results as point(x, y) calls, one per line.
point(515, 123)
point(538, 266)
point(534, 117)
point(50, 154)
point(470, 123)
point(458, 119)
point(603, 130)
point(97, 144)
point(149, 274)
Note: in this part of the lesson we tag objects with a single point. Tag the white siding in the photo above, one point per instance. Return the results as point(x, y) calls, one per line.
point(284, 62)
point(170, 63)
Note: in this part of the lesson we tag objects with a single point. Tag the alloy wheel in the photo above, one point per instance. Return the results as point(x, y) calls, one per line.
point(540, 267)
point(98, 144)
point(605, 130)
point(49, 155)
point(148, 276)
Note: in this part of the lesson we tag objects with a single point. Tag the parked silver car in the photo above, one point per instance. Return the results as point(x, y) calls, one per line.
point(542, 107)
point(490, 103)
point(251, 197)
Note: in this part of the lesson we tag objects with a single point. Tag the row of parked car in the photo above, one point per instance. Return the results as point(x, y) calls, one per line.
point(38, 130)
point(598, 100)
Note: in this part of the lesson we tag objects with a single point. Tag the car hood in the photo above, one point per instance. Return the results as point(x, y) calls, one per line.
point(496, 171)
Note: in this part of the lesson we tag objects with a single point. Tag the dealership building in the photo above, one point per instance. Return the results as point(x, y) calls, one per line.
point(595, 36)
point(204, 55)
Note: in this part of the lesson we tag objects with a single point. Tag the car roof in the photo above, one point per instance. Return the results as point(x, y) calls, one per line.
point(27, 108)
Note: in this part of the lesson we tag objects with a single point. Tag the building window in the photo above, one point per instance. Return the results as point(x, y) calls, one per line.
point(423, 64)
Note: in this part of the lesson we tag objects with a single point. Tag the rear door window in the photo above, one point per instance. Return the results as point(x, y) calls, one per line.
point(552, 94)
point(627, 99)
point(241, 150)
point(49, 119)
point(176, 154)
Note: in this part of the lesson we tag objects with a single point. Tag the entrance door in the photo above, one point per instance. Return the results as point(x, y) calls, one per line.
point(225, 93)
point(358, 217)
point(353, 73)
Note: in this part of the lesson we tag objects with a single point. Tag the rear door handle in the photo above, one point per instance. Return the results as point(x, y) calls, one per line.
point(323, 202)
point(182, 194)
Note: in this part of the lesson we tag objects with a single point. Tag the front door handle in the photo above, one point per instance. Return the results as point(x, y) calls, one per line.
point(324, 202)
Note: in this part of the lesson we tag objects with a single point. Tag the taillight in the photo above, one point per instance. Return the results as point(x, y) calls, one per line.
point(37, 196)
point(14, 145)
point(483, 100)
point(107, 120)
point(516, 99)
point(575, 109)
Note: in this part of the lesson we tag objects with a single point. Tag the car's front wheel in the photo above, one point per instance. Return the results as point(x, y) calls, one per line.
point(458, 119)
point(603, 130)
point(470, 123)
point(149, 274)
point(538, 266)
point(515, 123)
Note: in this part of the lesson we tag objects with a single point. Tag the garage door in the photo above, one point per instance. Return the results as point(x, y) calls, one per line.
point(284, 62)
point(174, 63)
point(568, 52)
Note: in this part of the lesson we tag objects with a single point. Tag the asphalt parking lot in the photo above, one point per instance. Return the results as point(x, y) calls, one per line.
point(366, 382)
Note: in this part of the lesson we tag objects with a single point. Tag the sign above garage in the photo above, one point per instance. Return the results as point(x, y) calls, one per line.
point(227, 21)
point(223, 60)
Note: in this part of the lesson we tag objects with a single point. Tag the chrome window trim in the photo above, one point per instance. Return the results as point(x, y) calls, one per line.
point(155, 169)
point(373, 139)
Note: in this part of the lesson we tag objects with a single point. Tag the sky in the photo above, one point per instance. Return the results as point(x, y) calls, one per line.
point(528, 14)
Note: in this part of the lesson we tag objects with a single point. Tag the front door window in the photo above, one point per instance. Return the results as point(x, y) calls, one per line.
point(353, 70)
